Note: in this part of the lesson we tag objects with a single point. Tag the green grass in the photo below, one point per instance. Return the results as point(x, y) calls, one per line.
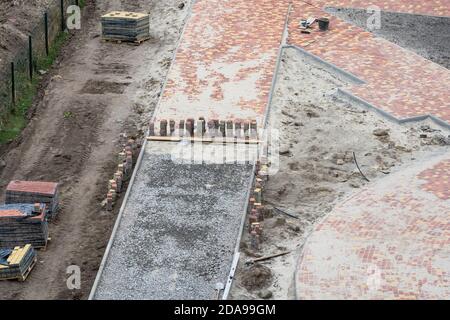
point(15, 120)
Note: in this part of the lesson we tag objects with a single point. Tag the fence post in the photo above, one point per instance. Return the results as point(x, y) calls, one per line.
point(77, 2)
point(30, 57)
point(62, 15)
point(46, 32)
point(13, 85)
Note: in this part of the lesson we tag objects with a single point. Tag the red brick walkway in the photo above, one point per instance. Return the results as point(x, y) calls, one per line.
point(398, 81)
point(425, 7)
point(389, 241)
point(226, 60)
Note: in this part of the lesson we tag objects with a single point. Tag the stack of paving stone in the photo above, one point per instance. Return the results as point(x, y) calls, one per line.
point(126, 26)
point(22, 224)
point(17, 263)
point(34, 192)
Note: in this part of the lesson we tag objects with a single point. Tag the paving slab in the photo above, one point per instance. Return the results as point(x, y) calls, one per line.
point(397, 81)
point(390, 240)
point(225, 64)
point(430, 7)
point(177, 236)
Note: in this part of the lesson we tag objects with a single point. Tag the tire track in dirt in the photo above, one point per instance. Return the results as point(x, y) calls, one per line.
point(80, 124)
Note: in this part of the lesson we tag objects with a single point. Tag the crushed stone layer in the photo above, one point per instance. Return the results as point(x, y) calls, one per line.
point(178, 232)
point(390, 240)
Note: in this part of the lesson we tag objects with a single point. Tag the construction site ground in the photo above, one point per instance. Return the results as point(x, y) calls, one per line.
point(100, 94)
point(96, 97)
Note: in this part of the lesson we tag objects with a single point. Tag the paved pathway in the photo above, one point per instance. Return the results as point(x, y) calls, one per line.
point(398, 81)
point(226, 61)
point(388, 241)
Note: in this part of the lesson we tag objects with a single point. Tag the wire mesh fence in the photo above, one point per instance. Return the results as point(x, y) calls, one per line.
point(33, 56)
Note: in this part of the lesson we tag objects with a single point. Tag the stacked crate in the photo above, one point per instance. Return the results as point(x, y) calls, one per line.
point(17, 263)
point(126, 26)
point(34, 192)
point(22, 224)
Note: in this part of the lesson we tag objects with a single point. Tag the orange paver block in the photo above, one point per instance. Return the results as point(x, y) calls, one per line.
point(226, 61)
point(37, 187)
point(398, 81)
point(391, 240)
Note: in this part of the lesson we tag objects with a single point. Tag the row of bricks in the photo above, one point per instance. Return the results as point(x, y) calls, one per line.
point(124, 170)
point(256, 208)
point(202, 128)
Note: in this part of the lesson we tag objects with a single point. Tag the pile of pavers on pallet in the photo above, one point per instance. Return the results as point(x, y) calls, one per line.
point(126, 26)
point(22, 224)
point(17, 263)
point(33, 192)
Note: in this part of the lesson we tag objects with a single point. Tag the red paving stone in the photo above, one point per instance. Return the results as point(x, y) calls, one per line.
point(388, 241)
point(438, 180)
point(425, 7)
point(226, 61)
point(38, 187)
point(224, 69)
point(399, 82)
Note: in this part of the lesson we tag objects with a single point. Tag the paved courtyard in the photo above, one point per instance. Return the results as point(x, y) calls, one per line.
point(388, 241)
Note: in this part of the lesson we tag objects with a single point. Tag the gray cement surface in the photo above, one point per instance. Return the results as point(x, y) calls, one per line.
point(178, 232)
point(425, 35)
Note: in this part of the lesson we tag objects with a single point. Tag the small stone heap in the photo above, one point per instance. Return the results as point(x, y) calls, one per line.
point(34, 192)
point(17, 263)
point(126, 26)
point(22, 224)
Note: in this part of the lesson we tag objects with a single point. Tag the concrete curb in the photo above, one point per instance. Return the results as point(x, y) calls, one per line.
point(266, 117)
point(343, 93)
point(347, 94)
point(353, 78)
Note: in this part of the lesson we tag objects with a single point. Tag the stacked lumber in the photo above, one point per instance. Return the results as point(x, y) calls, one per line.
point(22, 224)
point(126, 26)
point(17, 263)
point(34, 192)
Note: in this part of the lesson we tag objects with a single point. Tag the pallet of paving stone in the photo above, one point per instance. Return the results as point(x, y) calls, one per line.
point(126, 26)
point(34, 192)
point(22, 224)
point(17, 263)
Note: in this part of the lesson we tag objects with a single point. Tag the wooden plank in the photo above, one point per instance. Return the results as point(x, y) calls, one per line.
point(203, 140)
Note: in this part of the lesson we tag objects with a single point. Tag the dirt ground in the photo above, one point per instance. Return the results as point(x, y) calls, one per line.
point(17, 19)
point(96, 97)
point(319, 134)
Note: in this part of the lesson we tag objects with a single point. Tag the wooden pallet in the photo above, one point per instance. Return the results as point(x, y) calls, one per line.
point(24, 276)
point(44, 248)
point(27, 273)
point(118, 41)
point(203, 140)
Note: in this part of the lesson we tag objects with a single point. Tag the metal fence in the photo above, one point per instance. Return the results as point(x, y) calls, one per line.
point(33, 55)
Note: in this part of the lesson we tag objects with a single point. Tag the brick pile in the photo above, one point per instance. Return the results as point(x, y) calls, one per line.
point(17, 263)
point(22, 224)
point(34, 192)
point(126, 26)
